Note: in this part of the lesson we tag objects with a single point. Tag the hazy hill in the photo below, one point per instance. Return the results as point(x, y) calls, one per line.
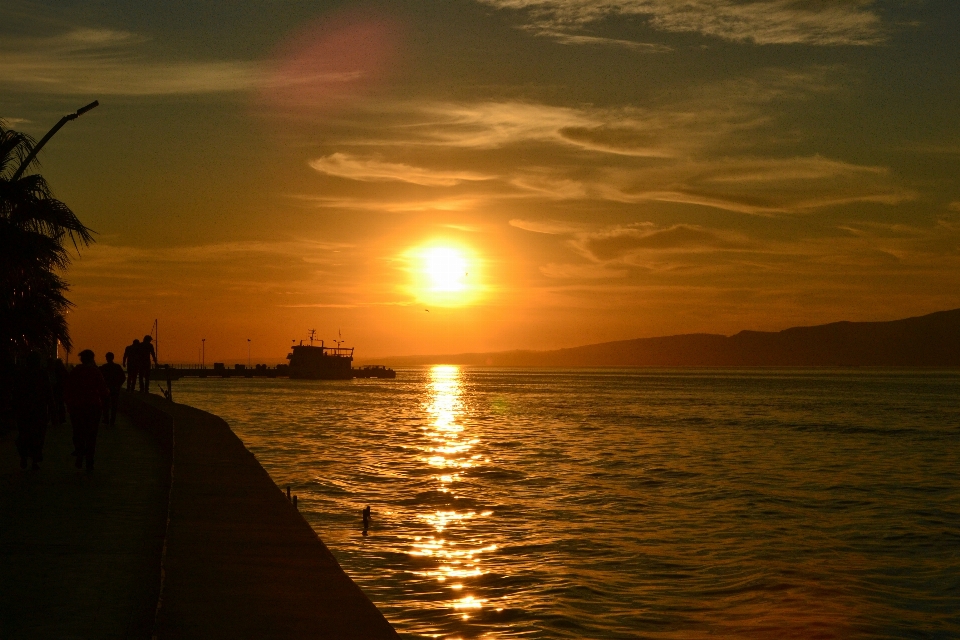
point(927, 341)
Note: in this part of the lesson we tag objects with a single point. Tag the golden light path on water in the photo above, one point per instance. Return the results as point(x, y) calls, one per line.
point(667, 504)
point(450, 450)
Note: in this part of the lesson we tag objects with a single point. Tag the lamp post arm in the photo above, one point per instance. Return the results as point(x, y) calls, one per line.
point(33, 153)
point(36, 149)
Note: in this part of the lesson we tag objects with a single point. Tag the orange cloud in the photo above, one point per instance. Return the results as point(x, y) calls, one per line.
point(757, 21)
point(370, 170)
point(109, 62)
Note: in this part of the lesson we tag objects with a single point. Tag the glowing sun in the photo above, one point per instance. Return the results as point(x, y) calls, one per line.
point(444, 275)
point(446, 269)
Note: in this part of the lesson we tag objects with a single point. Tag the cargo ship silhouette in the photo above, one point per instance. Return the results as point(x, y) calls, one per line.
point(309, 362)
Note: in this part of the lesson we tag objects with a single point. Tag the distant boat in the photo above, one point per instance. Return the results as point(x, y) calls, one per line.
point(308, 362)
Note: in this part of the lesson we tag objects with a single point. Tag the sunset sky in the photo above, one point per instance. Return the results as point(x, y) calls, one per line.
point(438, 177)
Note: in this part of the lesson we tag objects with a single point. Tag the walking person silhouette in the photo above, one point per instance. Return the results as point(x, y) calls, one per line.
point(131, 360)
point(114, 376)
point(143, 367)
point(86, 394)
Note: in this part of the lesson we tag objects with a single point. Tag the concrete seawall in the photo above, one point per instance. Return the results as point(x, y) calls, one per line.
point(239, 561)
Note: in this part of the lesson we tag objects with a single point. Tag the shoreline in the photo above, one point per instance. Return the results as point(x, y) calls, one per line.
point(239, 560)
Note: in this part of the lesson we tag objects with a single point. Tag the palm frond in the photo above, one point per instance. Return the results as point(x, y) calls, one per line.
point(33, 228)
point(14, 149)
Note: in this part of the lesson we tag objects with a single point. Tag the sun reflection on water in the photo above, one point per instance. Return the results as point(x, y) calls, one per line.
point(449, 450)
point(621, 508)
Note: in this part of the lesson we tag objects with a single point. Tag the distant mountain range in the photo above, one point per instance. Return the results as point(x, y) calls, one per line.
point(927, 341)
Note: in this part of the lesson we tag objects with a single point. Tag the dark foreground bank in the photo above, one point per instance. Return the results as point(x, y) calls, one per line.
point(82, 556)
point(79, 554)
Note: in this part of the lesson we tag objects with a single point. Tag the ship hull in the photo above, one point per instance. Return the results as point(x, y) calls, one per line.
point(320, 363)
point(320, 375)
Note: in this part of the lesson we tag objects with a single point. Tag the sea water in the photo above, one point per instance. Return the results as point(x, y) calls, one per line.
point(641, 503)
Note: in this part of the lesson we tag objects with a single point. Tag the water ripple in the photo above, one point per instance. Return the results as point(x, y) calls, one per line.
point(626, 503)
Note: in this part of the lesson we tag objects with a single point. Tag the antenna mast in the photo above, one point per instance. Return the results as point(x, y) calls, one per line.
point(156, 337)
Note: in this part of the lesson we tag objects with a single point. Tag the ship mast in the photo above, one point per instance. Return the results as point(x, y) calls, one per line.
point(313, 332)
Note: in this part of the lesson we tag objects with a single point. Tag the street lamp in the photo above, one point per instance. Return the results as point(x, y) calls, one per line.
point(203, 353)
point(36, 149)
point(248, 353)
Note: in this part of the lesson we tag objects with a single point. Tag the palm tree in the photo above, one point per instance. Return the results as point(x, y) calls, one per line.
point(34, 227)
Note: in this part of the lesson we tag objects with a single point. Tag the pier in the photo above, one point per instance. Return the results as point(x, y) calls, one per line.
point(218, 370)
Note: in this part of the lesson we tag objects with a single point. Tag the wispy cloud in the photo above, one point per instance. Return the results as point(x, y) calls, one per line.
point(549, 227)
point(564, 37)
point(394, 204)
point(371, 170)
point(581, 271)
point(109, 62)
point(675, 125)
point(617, 251)
point(627, 131)
point(809, 22)
point(716, 147)
point(103, 257)
point(755, 186)
point(615, 243)
point(541, 183)
point(950, 220)
point(731, 256)
point(489, 125)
